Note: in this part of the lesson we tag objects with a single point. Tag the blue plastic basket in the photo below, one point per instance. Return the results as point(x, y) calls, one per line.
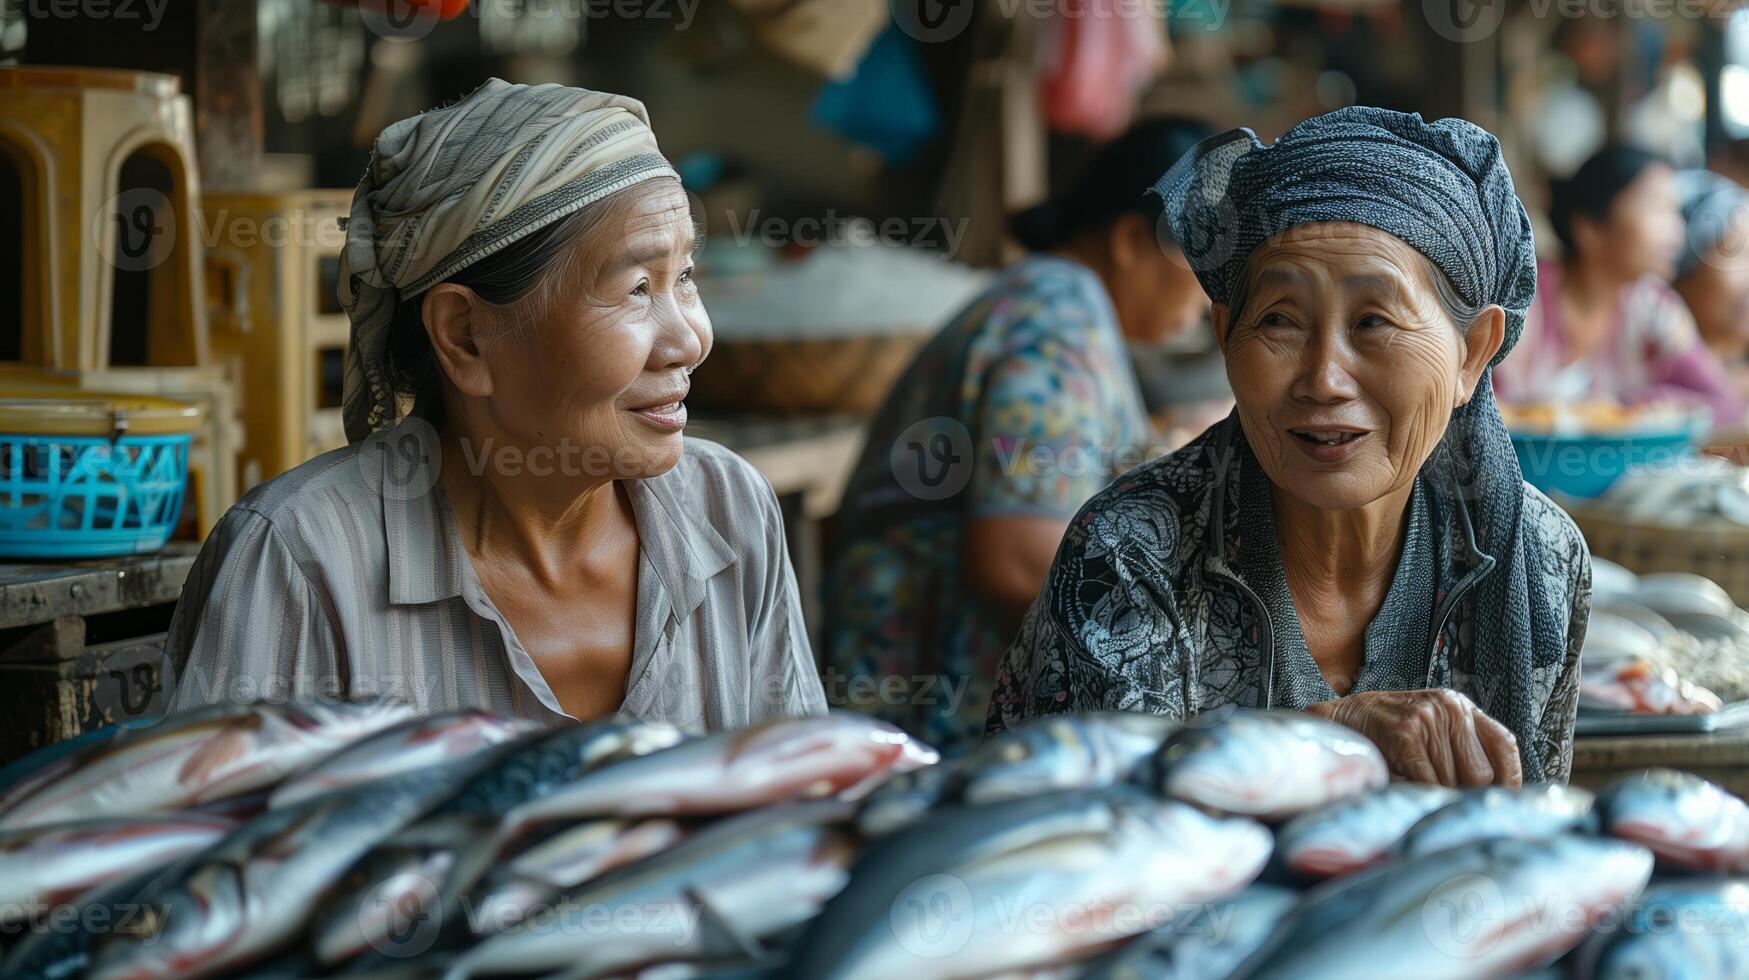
point(67, 491)
point(1584, 466)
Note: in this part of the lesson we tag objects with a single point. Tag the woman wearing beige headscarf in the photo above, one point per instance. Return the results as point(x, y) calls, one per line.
point(518, 524)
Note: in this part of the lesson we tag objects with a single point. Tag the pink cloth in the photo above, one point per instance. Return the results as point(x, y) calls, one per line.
point(1653, 354)
point(1105, 52)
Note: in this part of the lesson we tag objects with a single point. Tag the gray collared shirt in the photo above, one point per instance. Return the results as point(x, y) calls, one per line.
point(348, 576)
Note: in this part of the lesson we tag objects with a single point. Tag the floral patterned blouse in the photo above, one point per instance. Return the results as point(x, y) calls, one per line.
point(1025, 404)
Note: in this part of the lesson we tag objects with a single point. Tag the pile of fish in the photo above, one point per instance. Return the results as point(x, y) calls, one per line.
point(1702, 490)
point(295, 841)
point(1662, 644)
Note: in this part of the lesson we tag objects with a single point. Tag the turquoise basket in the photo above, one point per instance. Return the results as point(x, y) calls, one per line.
point(68, 493)
point(1585, 466)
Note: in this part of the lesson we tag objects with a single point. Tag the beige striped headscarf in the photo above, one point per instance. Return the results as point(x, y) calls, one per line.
point(449, 187)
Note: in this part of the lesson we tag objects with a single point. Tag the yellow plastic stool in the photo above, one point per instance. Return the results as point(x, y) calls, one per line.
point(69, 131)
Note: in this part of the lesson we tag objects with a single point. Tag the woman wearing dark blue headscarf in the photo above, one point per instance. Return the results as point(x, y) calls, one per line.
point(1356, 540)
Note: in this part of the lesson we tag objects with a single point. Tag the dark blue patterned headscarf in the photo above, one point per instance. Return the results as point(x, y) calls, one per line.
point(1442, 188)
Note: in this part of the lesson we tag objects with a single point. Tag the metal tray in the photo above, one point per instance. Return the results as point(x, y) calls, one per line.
point(1731, 716)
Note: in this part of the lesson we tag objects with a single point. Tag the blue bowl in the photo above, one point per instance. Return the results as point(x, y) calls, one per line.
point(1585, 466)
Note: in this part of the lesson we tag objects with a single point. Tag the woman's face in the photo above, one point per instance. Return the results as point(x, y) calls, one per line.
point(1644, 233)
point(599, 377)
point(1344, 364)
point(1153, 291)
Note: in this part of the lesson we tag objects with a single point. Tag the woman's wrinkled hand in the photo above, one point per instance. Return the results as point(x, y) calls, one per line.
point(1434, 736)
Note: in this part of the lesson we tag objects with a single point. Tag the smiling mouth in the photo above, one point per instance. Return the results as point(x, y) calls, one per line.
point(1326, 437)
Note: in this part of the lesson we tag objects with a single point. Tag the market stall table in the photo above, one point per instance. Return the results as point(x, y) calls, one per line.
point(81, 643)
point(1722, 757)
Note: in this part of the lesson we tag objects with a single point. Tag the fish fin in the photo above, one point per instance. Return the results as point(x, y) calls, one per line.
point(712, 917)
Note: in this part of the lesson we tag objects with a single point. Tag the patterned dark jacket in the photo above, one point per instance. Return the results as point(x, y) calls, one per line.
point(1155, 603)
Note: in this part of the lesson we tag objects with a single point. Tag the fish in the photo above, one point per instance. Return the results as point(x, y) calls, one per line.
point(839, 754)
point(1032, 883)
point(714, 897)
point(64, 953)
point(413, 744)
point(1270, 765)
point(1353, 834)
point(52, 864)
point(1058, 752)
point(1206, 944)
point(540, 763)
point(251, 892)
point(410, 894)
point(1687, 821)
point(1642, 687)
point(1682, 929)
point(569, 859)
point(907, 798)
point(387, 902)
point(193, 758)
point(1488, 909)
point(1536, 810)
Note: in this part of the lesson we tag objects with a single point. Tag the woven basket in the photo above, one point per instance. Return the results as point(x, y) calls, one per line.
point(1718, 549)
point(815, 374)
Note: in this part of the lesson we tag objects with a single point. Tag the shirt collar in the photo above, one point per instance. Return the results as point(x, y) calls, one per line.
point(684, 548)
point(426, 559)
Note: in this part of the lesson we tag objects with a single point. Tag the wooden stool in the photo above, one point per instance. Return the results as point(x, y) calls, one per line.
point(69, 132)
point(273, 265)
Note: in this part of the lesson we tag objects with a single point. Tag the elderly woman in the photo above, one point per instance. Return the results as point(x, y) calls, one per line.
point(537, 538)
point(1356, 541)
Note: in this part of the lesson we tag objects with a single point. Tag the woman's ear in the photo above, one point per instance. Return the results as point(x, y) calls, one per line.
point(451, 323)
point(1487, 332)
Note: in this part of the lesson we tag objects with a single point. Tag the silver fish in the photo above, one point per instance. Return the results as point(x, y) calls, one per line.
point(1057, 752)
point(64, 953)
point(1267, 764)
point(1537, 810)
point(1353, 834)
point(1696, 929)
point(1686, 821)
point(1488, 909)
point(713, 897)
point(399, 900)
point(1206, 944)
point(844, 754)
point(388, 902)
point(51, 864)
point(983, 890)
point(414, 744)
point(193, 758)
point(907, 798)
point(570, 859)
point(250, 893)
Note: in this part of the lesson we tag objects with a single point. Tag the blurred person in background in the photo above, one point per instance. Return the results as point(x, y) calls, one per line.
point(1712, 271)
point(1606, 326)
point(1020, 409)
